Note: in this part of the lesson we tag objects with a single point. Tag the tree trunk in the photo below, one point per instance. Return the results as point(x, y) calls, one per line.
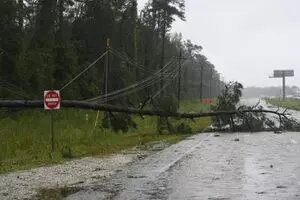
point(61, 19)
point(109, 108)
point(21, 14)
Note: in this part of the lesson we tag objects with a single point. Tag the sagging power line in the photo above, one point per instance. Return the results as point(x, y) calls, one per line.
point(150, 81)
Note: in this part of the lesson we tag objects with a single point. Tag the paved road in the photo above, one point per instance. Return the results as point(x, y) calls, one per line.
point(231, 166)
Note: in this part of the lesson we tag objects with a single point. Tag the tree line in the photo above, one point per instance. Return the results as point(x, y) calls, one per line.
point(45, 43)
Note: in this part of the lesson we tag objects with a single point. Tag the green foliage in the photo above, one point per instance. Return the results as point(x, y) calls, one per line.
point(118, 122)
point(252, 121)
point(46, 43)
point(167, 104)
point(184, 128)
point(227, 101)
point(66, 152)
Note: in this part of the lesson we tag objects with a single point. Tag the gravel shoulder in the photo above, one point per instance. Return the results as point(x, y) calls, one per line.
point(78, 173)
point(75, 173)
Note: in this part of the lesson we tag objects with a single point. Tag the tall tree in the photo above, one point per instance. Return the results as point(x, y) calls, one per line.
point(167, 11)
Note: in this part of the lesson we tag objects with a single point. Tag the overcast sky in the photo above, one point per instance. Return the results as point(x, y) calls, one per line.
point(246, 39)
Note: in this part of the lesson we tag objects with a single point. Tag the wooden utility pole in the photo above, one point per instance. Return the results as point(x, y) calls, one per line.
point(179, 78)
point(210, 88)
point(21, 14)
point(283, 89)
point(107, 68)
point(162, 63)
point(201, 83)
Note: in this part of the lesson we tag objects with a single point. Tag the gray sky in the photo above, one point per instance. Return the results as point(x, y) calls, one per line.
point(246, 39)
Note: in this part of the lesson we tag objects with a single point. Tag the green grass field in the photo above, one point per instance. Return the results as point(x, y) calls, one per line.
point(25, 137)
point(193, 106)
point(293, 104)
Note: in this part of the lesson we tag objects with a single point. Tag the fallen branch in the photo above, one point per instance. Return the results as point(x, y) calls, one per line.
point(109, 108)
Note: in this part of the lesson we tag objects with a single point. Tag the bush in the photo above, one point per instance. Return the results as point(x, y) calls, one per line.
point(184, 128)
point(118, 122)
point(167, 104)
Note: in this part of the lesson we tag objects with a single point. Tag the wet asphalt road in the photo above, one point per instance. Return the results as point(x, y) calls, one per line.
point(231, 166)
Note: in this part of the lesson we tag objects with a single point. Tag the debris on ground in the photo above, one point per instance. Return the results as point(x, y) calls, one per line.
point(281, 187)
point(277, 132)
point(260, 192)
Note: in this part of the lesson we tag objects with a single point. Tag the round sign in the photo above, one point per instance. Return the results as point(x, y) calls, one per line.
point(52, 99)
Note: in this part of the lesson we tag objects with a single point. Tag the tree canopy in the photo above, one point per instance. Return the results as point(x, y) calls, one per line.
point(44, 44)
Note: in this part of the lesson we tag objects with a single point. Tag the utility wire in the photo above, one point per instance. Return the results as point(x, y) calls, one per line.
point(126, 58)
point(82, 72)
point(128, 93)
point(10, 86)
point(146, 81)
point(145, 86)
point(134, 85)
point(172, 74)
point(14, 92)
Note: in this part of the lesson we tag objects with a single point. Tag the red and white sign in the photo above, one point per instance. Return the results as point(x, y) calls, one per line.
point(51, 100)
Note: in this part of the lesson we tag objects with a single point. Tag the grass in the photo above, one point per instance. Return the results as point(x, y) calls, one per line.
point(193, 106)
point(25, 139)
point(293, 104)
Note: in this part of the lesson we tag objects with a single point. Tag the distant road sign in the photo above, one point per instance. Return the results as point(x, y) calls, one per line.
point(51, 100)
point(283, 73)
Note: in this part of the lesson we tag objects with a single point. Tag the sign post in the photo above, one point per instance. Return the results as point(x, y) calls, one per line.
point(51, 103)
point(283, 74)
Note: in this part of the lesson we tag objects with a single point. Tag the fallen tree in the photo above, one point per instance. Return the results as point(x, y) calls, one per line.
point(109, 108)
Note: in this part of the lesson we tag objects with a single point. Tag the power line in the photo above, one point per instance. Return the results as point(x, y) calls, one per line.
point(83, 71)
point(5, 52)
point(14, 92)
point(173, 74)
point(12, 87)
point(134, 85)
point(125, 94)
point(138, 84)
point(126, 58)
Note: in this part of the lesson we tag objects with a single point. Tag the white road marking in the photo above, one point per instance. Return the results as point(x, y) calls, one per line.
point(168, 166)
